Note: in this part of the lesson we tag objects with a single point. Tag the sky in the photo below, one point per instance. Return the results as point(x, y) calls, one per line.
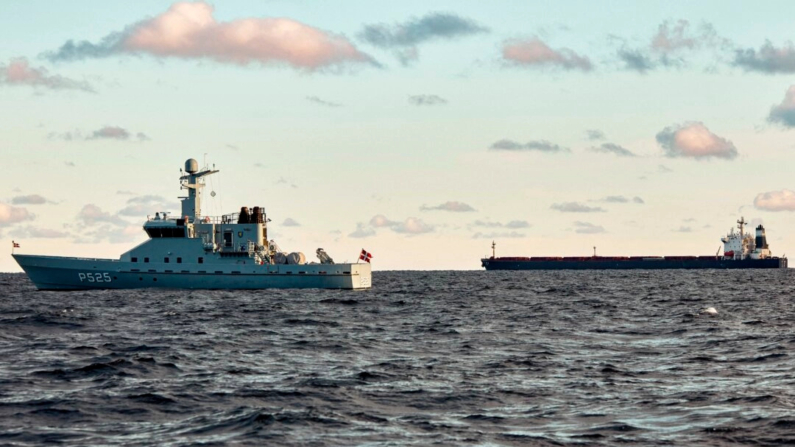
point(419, 131)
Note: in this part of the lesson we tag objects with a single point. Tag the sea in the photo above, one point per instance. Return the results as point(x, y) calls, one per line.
point(424, 358)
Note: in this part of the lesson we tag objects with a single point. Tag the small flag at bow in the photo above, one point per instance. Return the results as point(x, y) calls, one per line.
point(365, 256)
point(15, 244)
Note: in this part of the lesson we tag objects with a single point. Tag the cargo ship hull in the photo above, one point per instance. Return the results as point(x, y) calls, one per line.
point(597, 263)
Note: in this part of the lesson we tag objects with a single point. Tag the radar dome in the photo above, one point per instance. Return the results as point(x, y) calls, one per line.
point(191, 166)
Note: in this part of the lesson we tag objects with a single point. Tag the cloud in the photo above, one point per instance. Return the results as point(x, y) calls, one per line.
point(534, 145)
point(587, 228)
point(610, 148)
point(381, 221)
point(768, 59)
point(784, 113)
point(281, 180)
point(36, 232)
point(456, 207)
point(19, 72)
point(783, 200)
point(404, 37)
point(694, 140)
point(635, 60)
point(594, 134)
point(622, 199)
point(289, 222)
point(33, 199)
point(69, 164)
point(426, 100)
point(412, 225)
point(535, 53)
point(91, 214)
point(189, 31)
point(514, 224)
point(322, 102)
point(683, 229)
point(575, 207)
point(667, 45)
point(362, 231)
point(113, 133)
point(499, 235)
point(12, 214)
point(110, 132)
point(146, 205)
point(671, 38)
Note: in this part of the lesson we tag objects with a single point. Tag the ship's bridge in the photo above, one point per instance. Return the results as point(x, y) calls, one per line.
point(161, 226)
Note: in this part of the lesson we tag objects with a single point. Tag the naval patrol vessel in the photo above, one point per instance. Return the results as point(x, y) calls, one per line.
point(194, 251)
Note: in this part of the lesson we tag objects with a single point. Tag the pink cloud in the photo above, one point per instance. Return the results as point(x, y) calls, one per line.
point(12, 214)
point(694, 140)
point(783, 200)
point(189, 30)
point(19, 72)
point(534, 52)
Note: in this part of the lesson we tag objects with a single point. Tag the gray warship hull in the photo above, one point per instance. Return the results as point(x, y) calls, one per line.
point(68, 273)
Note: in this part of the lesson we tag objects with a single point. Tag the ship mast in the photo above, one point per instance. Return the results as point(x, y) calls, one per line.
point(193, 182)
point(493, 249)
point(740, 224)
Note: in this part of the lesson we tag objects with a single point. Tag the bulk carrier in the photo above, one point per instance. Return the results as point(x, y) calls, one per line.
point(741, 250)
point(195, 251)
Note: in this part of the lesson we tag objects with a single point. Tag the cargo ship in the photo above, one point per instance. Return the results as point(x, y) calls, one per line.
point(741, 250)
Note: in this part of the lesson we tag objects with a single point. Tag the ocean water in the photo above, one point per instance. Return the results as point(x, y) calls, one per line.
point(424, 358)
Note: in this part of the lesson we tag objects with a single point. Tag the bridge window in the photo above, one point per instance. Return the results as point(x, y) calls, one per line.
point(201, 260)
point(179, 260)
point(146, 259)
point(134, 259)
point(165, 260)
point(158, 232)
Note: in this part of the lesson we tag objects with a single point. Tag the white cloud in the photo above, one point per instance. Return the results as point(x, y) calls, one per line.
point(783, 200)
point(381, 221)
point(412, 225)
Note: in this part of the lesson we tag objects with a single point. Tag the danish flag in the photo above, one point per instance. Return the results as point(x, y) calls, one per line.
point(364, 256)
point(15, 244)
